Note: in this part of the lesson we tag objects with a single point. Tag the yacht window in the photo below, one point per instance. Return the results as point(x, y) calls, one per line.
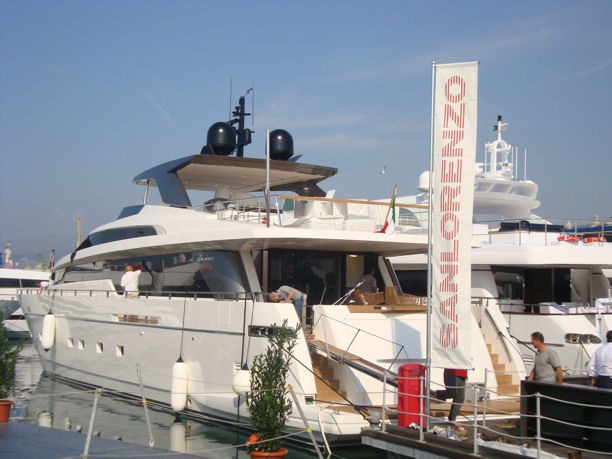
point(320, 275)
point(413, 282)
point(119, 234)
point(509, 283)
point(217, 272)
point(16, 283)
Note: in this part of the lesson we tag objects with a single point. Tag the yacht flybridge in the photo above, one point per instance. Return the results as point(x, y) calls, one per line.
point(204, 267)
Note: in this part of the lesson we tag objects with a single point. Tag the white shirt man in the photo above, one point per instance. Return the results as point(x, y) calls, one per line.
point(600, 365)
point(129, 281)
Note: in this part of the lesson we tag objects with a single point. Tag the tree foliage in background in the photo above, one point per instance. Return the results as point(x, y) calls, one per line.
point(8, 359)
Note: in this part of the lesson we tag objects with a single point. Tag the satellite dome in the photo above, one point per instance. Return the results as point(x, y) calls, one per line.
point(221, 138)
point(281, 145)
point(424, 181)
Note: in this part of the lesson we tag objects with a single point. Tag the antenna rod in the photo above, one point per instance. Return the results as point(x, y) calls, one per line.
point(230, 100)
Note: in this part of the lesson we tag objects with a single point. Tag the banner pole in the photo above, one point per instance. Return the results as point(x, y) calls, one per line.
point(429, 237)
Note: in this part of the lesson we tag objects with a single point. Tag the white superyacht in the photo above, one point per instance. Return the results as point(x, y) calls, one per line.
point(201, 308)
point(543, 275)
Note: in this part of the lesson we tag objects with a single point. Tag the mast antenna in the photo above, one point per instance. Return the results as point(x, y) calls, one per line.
point(253, 107)
point(229, 112)
point(243, 134)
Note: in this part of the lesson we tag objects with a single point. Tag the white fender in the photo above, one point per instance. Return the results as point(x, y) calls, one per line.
point(48, 332)
point(178, 394)
point(241, 383)
point(45, 419)
point(178, 441)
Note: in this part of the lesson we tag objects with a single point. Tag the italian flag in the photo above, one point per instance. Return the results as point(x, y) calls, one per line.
point(389, 226)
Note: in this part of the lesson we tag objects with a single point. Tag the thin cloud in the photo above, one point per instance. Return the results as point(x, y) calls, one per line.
point(401, 68)
point(591, 71)
point(165, 114)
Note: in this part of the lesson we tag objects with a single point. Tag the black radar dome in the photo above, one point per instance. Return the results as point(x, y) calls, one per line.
point(281, 145)
point(221, 138)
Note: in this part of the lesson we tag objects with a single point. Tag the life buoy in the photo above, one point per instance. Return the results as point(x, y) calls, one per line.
point(594, 239)
point(568, 238)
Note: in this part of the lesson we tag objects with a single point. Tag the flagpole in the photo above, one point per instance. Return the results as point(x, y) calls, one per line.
point(429, 247)
point(267, 189)
point(391, 202)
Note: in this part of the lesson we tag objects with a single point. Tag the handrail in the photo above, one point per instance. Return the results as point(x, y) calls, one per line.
point(479, 425)
point(351, 201)
point(146, 294)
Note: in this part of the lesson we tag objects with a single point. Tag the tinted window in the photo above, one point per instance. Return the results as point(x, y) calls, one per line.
point(201, 271)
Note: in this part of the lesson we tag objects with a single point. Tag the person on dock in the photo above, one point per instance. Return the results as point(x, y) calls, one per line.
point(546, 363)
point(285, 294)
point(600, 365)
point(454, 383)
point(8, 256)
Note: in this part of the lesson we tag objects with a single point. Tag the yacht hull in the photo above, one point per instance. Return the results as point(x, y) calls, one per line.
point(129, 346)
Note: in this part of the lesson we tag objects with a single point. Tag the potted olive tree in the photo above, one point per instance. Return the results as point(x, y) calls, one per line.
point(8, 359)
point(268, 399)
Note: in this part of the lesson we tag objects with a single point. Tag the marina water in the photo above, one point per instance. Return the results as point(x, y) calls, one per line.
point(47, 402)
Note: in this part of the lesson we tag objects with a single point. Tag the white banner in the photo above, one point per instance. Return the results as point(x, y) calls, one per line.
point(455, 111)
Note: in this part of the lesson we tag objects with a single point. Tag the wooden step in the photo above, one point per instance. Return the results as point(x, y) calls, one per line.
point(324, 372)
point(499, 367)
point(329, 396)
point(328, 384)
point(503, 379)
point(509, 389)
point(494, 358)
point(319, 360)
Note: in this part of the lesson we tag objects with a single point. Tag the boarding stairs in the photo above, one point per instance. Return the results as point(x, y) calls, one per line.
point(504, 379)
point(322, 354)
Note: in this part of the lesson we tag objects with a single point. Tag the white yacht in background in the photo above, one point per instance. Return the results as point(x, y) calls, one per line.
point(546, 276)
point(201, 317)
point(12, 279)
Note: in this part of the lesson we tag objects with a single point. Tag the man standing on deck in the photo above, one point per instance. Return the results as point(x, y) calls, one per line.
point(546, 363)
point(129, 281)
point(600, 365)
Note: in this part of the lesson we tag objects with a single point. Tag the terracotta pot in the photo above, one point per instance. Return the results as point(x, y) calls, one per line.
point(5, 410)
point(281, 452)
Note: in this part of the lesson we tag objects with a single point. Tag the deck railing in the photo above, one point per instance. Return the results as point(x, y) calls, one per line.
point(548, 417)
point(294, 210)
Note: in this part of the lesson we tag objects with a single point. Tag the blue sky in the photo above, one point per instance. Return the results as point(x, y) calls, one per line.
point(93, 93)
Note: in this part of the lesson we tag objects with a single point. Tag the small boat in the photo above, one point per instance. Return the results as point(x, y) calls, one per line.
point(12, 279)
point(16, 326)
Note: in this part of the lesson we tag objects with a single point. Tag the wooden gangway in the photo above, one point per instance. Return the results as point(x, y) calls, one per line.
point(354, 361)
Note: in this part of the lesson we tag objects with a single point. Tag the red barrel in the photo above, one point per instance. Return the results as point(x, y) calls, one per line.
point(410, 397)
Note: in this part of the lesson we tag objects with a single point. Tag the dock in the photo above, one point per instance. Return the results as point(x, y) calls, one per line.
point(405, 443)
point(18, 439)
